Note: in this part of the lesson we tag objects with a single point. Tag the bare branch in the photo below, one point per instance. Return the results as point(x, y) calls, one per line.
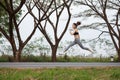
point(116, 4)
point(102, 32)
point(29, 11)
point(68, 10)
point(45, 25)
point(4, 33)
point(49, 6)
point(50, 13)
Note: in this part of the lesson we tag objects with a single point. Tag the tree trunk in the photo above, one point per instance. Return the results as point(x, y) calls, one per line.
point(17, 56)
point(119, 55)
point(54, 50)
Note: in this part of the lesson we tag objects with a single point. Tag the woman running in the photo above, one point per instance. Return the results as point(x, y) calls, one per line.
point(75, 32)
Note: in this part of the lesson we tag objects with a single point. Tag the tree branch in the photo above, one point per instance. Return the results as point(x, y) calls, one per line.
point(68, 10)
point(118, 28)
point(102, 32)
point(4, 33)
point(20, 6)
point(116, 4)
point(32, 33)
point(17, 30)
point(26, 14)
point(7, 5)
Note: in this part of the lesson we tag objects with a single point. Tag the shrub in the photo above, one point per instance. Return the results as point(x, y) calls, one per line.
point(45, 58)
point(4, 58)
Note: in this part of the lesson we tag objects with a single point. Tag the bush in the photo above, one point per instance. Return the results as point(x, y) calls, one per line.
point(4, 58)
point(45, 58)
point(32, 58)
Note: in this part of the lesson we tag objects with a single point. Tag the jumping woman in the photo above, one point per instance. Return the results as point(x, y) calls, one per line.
point(75, 32)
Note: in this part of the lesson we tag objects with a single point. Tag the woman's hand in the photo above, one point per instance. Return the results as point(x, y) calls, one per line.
point(71, 31)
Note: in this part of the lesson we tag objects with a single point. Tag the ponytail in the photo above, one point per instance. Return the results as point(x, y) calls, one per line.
point(76, 24)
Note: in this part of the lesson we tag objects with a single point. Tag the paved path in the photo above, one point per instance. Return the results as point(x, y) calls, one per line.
point(56, 64)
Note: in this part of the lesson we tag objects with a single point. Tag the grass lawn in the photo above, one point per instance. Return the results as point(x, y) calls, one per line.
point(104, 73)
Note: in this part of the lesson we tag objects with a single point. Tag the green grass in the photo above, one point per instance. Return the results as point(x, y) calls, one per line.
point(108, 73)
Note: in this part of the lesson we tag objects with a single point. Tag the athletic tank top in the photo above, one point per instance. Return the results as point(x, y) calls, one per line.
point(76, 33)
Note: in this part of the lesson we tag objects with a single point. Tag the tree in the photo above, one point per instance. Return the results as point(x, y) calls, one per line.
point(102, 8)
point(12, 9)
point(47, 9)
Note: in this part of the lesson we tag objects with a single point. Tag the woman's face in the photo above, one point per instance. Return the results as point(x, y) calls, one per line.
point(73, 26)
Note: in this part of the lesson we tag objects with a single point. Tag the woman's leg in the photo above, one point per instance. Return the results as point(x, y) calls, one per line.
point(73, 43)
point(80, 44)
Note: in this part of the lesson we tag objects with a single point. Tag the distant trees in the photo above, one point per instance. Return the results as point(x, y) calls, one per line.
point(48, 16)
point(37, 47)
point(102, 9)
point(10, 26)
